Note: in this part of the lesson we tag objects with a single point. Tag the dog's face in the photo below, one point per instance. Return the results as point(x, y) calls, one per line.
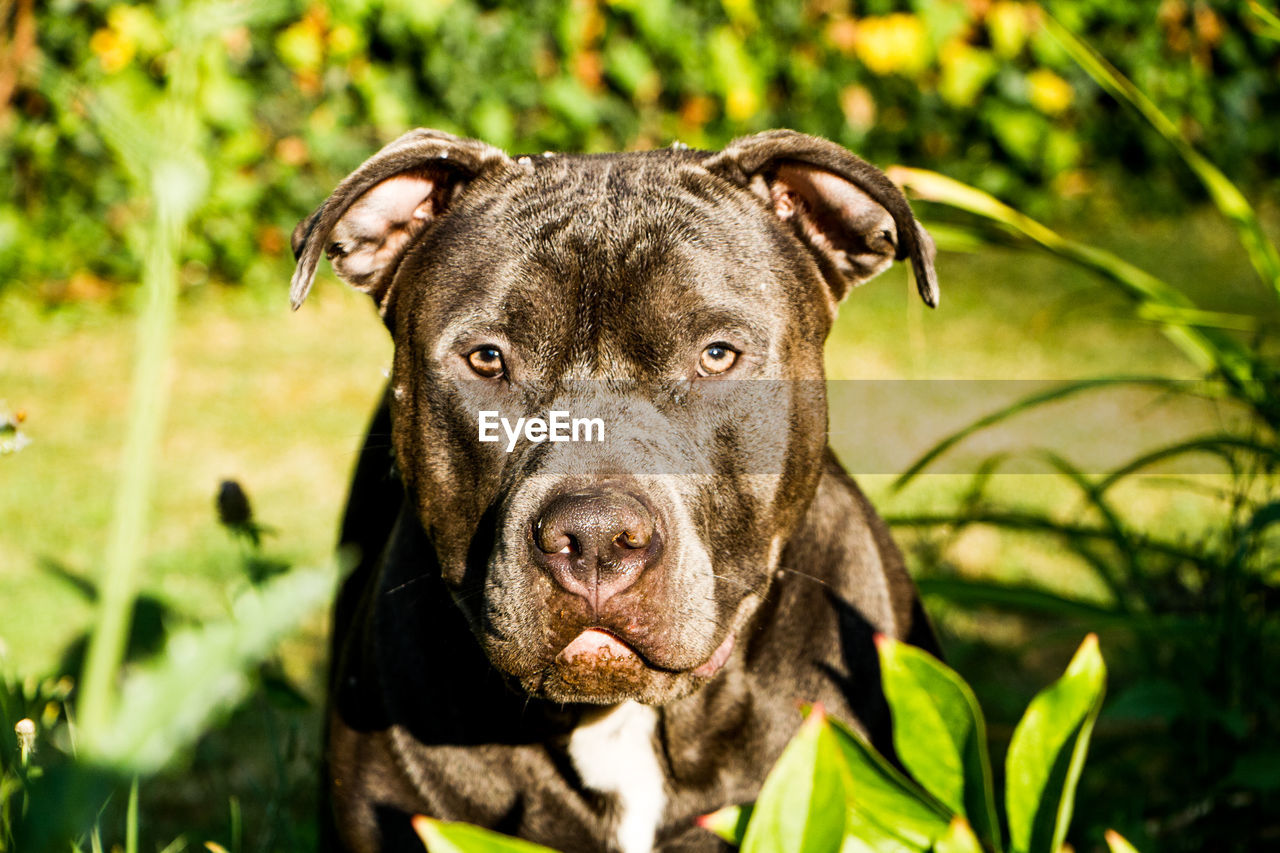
point(682, 299)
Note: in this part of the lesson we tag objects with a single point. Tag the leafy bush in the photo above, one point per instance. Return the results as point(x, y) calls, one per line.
point(293, 95)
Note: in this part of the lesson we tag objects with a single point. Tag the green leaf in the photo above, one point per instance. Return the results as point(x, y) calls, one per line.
point(1048, 750)
point(884, 805)
point(864, 835)
point(939, 733)
point(729, 823)
point(802, 802)
point(959, 838)
point(442, 836)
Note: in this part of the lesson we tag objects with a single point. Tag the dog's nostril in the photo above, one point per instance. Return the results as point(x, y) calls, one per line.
point(633, 539)
point(551, 540)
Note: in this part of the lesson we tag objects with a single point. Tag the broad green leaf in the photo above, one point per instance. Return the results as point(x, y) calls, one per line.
point(1117, 844)
point(864, 835)
point(802, 803)
point(959, 838)
point(443, 836)
point(730, 823)
point(1048, 750)
point(939, 733)
point(884, 805)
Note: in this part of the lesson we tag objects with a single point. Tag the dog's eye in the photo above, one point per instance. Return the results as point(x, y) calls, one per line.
point(716, 359)
point(487, 362)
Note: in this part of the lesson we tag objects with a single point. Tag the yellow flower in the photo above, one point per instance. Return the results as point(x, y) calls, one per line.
point(859, 107)
point(113, 50)
point(892, 43)
point(741, 103)
point(1049, 93)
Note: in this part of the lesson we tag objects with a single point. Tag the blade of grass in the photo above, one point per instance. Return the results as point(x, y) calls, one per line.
point(1268, 22)
point(1229, 200)
point(1019, 598)
point(1119, 534)
point(1172, 315)
point(1207, 348)
point(131, 819)
point(1031, 401)
point(1035, 523)
point(1219, 445)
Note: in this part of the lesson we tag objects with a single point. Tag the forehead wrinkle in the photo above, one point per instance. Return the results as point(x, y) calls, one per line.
point(603, 251)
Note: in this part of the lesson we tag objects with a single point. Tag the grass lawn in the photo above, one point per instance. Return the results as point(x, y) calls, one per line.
point(278, 401)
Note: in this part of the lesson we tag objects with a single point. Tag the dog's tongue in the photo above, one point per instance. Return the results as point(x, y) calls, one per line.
point(597, 645)
point(718, 658)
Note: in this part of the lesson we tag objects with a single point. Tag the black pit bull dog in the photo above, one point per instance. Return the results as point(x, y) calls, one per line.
point(591, 644)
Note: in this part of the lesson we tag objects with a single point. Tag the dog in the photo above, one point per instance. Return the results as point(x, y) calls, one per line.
point(589, 644)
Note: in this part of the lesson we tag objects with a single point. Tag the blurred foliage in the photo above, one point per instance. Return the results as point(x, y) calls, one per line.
point(298, 95)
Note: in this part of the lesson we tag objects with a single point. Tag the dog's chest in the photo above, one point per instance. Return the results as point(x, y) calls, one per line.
point(613, 752)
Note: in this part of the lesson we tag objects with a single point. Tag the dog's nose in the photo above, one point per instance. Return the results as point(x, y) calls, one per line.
point(596, 544)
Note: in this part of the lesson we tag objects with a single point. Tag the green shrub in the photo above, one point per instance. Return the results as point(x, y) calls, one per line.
point(296, 95)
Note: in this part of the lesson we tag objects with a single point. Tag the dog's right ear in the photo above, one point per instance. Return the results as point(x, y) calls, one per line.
point(368, 223)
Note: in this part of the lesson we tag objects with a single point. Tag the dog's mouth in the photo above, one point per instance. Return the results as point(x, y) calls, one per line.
point(597, 648)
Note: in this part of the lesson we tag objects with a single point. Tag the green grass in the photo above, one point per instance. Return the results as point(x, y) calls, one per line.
point(275, 400)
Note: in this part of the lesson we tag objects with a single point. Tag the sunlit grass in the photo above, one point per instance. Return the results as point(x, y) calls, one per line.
point(273, 399)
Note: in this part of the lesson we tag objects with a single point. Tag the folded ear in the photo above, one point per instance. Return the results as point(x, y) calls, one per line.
point(853, 219)
point(369, 221)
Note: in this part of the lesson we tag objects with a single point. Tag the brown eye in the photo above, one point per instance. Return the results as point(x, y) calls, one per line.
point(716, 359)
point(487, 362)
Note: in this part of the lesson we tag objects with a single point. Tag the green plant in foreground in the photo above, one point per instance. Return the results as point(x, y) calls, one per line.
point(831, 791)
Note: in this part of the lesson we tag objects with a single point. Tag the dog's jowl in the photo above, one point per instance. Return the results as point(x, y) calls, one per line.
point(590, 643)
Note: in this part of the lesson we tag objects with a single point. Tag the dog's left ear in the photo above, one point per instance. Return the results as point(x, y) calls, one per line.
point(853, 219)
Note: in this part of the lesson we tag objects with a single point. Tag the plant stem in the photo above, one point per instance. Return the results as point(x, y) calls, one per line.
point(146, 418)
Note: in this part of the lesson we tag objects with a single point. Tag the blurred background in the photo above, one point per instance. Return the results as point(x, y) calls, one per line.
point(157, 156)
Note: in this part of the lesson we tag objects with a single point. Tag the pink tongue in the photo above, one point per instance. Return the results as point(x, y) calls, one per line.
point(593, 643)
point(718, 658)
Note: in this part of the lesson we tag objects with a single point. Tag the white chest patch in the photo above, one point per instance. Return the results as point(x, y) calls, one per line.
point(613, 753)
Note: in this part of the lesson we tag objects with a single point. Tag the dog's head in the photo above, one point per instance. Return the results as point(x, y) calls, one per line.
point(680, 297)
